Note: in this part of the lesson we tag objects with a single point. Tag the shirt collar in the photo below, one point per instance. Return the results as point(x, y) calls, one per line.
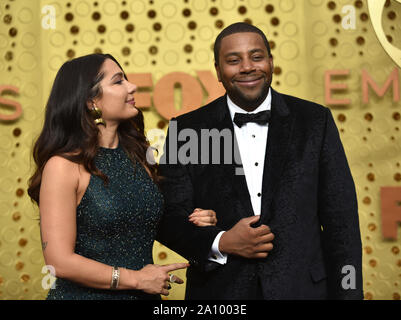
point(265, 105)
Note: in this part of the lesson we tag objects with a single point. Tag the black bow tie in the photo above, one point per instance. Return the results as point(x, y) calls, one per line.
point(262, 117)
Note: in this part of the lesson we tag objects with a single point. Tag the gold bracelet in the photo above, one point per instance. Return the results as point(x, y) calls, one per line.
point(115, 278)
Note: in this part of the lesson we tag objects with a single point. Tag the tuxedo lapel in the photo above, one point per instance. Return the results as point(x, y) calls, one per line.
point(279, 136)
point(241, 187)
point(233, 173)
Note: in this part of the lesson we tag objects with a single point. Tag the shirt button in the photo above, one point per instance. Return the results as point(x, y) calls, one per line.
point(256, 164)
point(253, 136)
point(259, 194)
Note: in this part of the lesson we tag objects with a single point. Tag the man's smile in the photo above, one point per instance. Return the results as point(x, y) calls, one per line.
point(249, 81)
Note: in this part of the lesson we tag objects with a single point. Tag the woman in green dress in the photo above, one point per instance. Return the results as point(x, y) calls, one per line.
point(98, 197)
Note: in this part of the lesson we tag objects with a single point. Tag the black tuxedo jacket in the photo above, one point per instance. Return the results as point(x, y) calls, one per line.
point(308, 201)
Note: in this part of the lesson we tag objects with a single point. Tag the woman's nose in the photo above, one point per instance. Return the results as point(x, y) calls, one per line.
point(132, 87)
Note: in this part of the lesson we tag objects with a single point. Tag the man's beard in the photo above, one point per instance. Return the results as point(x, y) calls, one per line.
point(250, 103)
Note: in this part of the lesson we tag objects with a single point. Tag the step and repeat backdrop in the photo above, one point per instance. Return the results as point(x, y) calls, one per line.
point(343, 54)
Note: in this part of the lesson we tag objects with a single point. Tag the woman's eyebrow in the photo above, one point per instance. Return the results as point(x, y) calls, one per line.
point(117, 74)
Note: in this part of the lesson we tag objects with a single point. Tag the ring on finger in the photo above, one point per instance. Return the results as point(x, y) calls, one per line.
point(172, 278)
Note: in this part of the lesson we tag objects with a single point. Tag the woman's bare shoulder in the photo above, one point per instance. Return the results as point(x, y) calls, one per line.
point(59, 162)
point(60, 167)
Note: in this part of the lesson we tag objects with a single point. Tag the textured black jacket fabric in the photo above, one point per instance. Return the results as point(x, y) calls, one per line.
point(308, 201)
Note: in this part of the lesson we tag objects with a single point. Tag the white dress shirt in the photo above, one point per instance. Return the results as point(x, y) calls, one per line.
point(251, 139)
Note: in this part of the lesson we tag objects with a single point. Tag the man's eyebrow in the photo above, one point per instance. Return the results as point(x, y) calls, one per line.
point(235, 53)
point(117, 74)
point(256, 50)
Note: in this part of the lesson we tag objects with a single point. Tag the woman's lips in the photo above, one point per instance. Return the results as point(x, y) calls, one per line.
point(132, 101)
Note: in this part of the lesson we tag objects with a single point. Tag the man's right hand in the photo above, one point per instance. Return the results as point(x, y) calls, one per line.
point(245, 241)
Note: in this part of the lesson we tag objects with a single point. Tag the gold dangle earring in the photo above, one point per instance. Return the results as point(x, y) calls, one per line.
point(97, 115)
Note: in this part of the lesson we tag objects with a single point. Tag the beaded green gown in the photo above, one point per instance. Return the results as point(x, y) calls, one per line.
point(116, 224)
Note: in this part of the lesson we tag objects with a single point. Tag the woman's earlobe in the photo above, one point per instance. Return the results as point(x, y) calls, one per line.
point(90, 104)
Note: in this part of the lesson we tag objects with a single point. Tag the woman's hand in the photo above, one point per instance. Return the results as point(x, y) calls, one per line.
point(154, 279)
point(203, 217)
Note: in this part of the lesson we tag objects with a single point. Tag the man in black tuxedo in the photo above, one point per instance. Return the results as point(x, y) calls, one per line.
point(287, 211)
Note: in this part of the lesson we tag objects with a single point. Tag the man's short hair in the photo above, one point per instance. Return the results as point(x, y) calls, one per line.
point(237, 28)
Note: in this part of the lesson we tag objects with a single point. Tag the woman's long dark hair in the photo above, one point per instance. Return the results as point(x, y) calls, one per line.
point(69, 130)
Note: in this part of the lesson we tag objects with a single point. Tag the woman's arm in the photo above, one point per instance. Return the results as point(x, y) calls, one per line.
point(203, 218)
point(58, 201)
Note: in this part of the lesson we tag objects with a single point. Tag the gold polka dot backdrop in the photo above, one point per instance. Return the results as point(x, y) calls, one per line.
point(344, 54)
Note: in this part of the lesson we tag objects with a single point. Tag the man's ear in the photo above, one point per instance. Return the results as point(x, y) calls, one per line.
point(217, 71)
point(271, 63)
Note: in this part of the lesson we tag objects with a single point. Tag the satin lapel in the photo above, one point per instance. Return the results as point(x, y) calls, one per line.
point(233, 172)
point(241, 187)
point(278, 140)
